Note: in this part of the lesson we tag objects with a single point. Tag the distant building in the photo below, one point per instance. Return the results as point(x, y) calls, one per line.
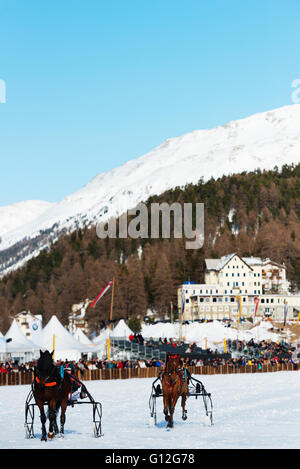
point(77, 317)
point(24, 319)
point(234, 284)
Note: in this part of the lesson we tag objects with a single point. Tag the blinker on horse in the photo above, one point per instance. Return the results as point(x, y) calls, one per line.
point(51, 388)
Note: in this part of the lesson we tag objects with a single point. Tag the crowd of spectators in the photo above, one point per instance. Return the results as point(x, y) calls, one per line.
point(241, 353)
point(265, 351)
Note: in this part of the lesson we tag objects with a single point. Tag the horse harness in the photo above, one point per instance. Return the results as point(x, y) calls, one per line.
point(181, 372)
point(51, 379)
point(52, 383)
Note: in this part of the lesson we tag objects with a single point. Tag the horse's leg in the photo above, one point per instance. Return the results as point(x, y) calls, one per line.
point(183, 402)
point(55, 421)
point(63, 408)
point(166, 405)
point(52, 418)
point(43, 417)
point(173, 401)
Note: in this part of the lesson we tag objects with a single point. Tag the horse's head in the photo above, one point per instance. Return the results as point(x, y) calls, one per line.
point(45, 366)
point(172, 362)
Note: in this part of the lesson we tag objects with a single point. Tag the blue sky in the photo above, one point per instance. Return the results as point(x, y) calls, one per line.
point(90, 85)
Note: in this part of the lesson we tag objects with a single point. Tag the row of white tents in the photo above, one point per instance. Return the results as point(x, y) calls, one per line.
point(15, 345)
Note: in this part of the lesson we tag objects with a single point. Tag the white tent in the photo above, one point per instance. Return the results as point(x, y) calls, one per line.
point(121, 330)
point(66, 346)
point(2, 345)
point(19, 346)
point(81, 337)
point(101, 338)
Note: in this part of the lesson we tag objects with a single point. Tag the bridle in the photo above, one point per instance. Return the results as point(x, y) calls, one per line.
point(168, 373)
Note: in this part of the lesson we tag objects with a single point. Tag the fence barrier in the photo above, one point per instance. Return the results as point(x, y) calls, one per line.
point(23, 377)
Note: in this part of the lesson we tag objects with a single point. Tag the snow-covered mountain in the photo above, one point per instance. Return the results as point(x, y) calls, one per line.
point(18, 214)
point(262, 141)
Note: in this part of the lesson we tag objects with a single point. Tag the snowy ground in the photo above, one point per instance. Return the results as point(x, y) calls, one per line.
point(250, 411)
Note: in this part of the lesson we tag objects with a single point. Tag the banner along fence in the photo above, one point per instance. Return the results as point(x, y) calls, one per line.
point(15, 378)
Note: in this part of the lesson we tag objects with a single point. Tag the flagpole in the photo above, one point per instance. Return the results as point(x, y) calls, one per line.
point(53, 345)
point(112, 299)
point(181, 311)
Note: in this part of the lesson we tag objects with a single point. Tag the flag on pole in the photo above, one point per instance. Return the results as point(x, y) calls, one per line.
point(183, 301)
point(256, 301)
point(239, 302)
point(103, 291)
point(286, 308)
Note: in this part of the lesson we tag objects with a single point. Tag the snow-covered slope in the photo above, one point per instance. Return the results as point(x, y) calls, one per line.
point(18, 214)
point(250, 411)
point(261, 141)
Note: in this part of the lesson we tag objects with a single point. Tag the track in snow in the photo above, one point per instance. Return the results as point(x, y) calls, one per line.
point(250, 411)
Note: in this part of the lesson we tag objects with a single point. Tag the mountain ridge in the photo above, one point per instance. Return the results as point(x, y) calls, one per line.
point(260, 141)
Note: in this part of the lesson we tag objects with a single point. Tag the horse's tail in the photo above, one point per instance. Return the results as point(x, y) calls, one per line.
point(56, 409)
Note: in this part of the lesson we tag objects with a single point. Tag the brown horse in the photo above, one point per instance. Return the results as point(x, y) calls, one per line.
point(174, 384)
point(51, 387)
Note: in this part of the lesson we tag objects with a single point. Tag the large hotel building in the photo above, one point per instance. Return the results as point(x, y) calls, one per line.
point(234, 285)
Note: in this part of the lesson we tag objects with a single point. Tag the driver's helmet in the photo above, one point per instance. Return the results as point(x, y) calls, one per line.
point(70, 368)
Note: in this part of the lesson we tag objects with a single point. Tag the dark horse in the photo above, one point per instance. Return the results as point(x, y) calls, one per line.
point(174, 384)
point(53, 388)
